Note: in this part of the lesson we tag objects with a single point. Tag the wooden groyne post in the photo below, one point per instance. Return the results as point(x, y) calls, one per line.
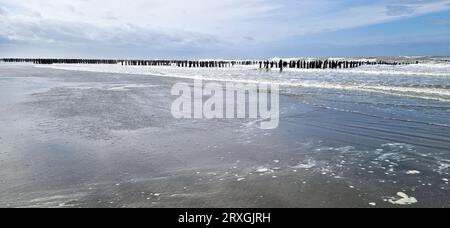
point(262, 64)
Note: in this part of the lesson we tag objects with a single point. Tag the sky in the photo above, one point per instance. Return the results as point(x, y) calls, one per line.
point(223, 29)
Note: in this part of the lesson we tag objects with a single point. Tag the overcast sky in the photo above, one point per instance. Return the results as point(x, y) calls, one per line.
point(223, 29)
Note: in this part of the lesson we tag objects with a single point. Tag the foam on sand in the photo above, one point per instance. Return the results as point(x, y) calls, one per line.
point(306, 165)
point(402, 199)
point(262, 170)
point(413, 172)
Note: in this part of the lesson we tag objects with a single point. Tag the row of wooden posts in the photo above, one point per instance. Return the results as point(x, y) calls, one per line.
point(262, 64)
point(187, 63)
point(59, 61)
point(328, 64)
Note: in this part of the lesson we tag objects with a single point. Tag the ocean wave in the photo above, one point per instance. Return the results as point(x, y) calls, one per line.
point(240, 76)
point(376, 72)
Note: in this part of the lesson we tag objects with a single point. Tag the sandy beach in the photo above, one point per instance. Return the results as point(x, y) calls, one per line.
point(74, 138)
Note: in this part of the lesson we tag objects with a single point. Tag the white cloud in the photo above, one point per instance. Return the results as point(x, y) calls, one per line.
point(176, 24)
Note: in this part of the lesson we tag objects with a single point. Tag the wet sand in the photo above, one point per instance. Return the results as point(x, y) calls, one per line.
point(85, 139)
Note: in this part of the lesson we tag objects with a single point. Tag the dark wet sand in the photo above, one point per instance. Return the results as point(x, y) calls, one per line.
point(79, 139)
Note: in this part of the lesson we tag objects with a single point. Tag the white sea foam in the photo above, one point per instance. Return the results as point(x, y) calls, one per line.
point(402, 199)
point(413, 172)
point(305, 165)
point(263, 170)
point(444, 166)
point(307, 78)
